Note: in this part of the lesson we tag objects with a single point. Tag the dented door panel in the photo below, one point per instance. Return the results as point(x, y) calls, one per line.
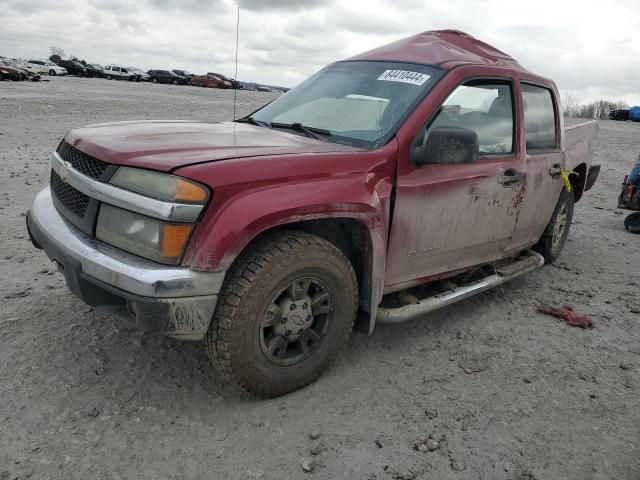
point(449, 217)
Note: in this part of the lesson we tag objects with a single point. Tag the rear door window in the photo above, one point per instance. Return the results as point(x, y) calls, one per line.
point(539, 118)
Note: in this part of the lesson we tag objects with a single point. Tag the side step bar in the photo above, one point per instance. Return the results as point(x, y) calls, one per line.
point(524, 264)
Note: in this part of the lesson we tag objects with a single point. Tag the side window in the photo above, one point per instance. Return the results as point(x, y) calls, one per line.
point(486, 107)
point(124, 70)
point(539, 118)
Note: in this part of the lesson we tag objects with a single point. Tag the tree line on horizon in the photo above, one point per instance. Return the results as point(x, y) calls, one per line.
point(596, 110)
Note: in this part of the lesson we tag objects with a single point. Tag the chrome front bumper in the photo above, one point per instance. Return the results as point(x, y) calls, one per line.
point(172, 300)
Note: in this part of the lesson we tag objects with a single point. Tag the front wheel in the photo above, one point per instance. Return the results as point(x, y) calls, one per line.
point(154, 80)
point(555, 234)
point(285, 312)
point(52, 73)
point(175, 82)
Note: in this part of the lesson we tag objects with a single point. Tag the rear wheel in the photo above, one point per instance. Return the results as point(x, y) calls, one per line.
point(285, 312)
point(555, 235)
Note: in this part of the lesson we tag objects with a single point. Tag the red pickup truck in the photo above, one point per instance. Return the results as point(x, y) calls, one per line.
point(435, 157)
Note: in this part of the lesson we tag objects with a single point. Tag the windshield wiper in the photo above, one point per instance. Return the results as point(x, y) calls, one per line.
point(313, 132)
point(252, 121)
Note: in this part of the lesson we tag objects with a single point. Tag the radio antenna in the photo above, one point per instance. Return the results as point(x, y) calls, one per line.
point(235, 90)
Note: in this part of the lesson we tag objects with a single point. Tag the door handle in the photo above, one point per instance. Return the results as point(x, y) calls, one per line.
point(555, 170)
point(511, 177)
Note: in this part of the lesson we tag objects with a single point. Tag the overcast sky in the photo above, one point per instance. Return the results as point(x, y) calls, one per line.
point(590, 48)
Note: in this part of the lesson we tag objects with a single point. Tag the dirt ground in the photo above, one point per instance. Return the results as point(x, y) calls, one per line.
point(83, 396)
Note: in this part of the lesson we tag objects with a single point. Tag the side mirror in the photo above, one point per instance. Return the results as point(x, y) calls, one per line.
point(447, 145)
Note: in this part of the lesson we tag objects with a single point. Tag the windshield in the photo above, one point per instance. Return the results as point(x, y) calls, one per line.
point(358, 103)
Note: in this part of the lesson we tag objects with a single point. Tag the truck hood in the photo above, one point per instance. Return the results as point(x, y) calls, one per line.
point(167, 145)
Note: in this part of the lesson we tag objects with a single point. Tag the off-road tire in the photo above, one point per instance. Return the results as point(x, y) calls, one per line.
point(551, 244)
point(234, 336)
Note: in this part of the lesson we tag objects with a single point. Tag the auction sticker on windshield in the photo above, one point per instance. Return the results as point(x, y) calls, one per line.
point(404, 76)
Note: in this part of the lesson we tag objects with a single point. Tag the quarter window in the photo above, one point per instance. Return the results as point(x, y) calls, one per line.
point(484, 107)
point(539, 118)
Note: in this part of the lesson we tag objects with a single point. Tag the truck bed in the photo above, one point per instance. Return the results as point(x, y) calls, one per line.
point(579, 143)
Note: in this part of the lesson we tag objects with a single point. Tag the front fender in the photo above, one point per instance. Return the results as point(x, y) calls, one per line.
point(228, 229)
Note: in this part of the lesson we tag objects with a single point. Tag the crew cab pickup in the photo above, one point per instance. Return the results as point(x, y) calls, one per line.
point(435, 157)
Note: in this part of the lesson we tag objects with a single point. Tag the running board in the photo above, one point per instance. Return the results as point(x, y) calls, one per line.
point(524, 264)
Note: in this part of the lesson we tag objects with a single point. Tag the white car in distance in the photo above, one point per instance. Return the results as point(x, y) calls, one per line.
point(118, 72)
point(44, 66)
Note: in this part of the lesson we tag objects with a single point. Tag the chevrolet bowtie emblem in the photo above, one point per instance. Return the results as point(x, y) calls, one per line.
point(63, 172)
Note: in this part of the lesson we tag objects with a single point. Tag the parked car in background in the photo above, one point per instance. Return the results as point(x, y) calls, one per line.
point(619, 114)
point(234, 83)
point(184, 73)
point(209, 80)
point(93, 71)
point(73, 67)
point(10, 73)
point(118, 72)
point(45, 67)
point(141, 75)
point(166, 76)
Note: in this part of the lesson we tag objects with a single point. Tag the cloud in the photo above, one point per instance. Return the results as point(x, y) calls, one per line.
point(283, 41)
point(285, 5)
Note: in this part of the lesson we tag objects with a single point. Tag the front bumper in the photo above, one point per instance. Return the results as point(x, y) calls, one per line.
point(175, 301)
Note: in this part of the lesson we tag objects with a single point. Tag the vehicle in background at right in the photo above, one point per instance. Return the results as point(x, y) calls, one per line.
point(629, 198)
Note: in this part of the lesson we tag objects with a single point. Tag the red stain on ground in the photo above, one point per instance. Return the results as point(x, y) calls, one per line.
point(567, 314)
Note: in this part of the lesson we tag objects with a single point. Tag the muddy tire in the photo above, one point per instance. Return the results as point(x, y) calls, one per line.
point(285, 312)
point(555, 235)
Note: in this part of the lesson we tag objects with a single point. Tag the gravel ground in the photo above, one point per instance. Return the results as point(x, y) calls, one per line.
point(83, 396)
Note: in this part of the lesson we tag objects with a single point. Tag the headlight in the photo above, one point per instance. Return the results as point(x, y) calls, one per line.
point(160, 185)
point(150, 238)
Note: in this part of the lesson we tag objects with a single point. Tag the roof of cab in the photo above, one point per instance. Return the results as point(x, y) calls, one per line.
point(445, 48)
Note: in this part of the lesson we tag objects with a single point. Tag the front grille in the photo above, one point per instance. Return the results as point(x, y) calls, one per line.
point(86, 164)
point(72, 199)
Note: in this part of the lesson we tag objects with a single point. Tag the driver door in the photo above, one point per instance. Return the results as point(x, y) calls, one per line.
point(451, 216)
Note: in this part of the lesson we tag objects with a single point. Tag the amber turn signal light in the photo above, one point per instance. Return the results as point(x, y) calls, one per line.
point(174, 239)
point(189, 192)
